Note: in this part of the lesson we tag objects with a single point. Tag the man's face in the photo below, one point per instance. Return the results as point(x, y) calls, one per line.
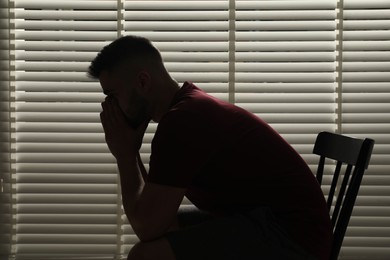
point(122, 89)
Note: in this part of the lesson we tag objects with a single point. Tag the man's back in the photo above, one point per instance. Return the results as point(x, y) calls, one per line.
point(231, 161)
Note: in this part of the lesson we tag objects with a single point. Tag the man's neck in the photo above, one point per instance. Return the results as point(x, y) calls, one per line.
point(169, 91)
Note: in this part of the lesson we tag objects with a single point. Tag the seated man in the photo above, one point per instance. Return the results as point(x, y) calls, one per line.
point(254, 196)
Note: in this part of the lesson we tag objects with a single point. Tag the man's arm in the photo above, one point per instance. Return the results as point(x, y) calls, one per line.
point(150, 208)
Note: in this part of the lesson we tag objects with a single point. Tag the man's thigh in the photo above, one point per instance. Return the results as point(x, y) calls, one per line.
point(241, 236)
point(156, 249)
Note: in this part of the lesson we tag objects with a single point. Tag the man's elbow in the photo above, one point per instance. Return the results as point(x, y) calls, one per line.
point(146, 228)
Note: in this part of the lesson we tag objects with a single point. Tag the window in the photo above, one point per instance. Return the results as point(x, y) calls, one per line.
point(304, 66)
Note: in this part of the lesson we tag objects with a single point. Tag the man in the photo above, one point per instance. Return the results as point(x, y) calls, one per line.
point(254, 196)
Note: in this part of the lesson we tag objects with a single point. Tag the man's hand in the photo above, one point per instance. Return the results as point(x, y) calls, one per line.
point(121, 138)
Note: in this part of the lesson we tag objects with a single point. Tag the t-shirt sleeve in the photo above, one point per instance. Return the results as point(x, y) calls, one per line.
point(182, 145)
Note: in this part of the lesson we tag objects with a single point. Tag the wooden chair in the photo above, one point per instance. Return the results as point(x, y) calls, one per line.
point(355, 154)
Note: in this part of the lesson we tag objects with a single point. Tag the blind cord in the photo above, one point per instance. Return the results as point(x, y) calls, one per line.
point(339, 66)
point(232, 50)
point(12, 134)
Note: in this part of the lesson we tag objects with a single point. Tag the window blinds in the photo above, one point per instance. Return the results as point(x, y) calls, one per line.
point(193, 37)
point(67, 196)
point(304, 66)
point(286, 66)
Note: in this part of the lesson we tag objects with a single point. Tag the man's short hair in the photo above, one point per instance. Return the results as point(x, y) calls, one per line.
point(124, 49)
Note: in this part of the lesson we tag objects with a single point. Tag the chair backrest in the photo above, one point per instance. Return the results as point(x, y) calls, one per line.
point(355, 154)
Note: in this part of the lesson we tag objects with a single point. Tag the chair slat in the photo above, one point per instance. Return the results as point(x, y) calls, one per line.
point(340, 196)
point(334, 184)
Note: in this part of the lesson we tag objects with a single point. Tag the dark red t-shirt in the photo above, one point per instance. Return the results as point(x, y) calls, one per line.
point(230, 160)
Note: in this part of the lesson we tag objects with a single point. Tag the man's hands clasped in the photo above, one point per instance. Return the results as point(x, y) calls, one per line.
point(122, 139)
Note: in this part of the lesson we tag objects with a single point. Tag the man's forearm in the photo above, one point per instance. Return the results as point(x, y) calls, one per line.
point(132, 184)
point(133, 176)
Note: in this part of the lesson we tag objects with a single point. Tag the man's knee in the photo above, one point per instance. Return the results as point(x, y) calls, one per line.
point(158, 249)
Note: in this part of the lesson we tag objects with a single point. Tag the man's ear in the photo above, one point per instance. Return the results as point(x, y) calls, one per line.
point(144, 82)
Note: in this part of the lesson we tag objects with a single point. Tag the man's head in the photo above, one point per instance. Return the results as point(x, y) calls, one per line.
point(135, 51)
point(131, 70)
